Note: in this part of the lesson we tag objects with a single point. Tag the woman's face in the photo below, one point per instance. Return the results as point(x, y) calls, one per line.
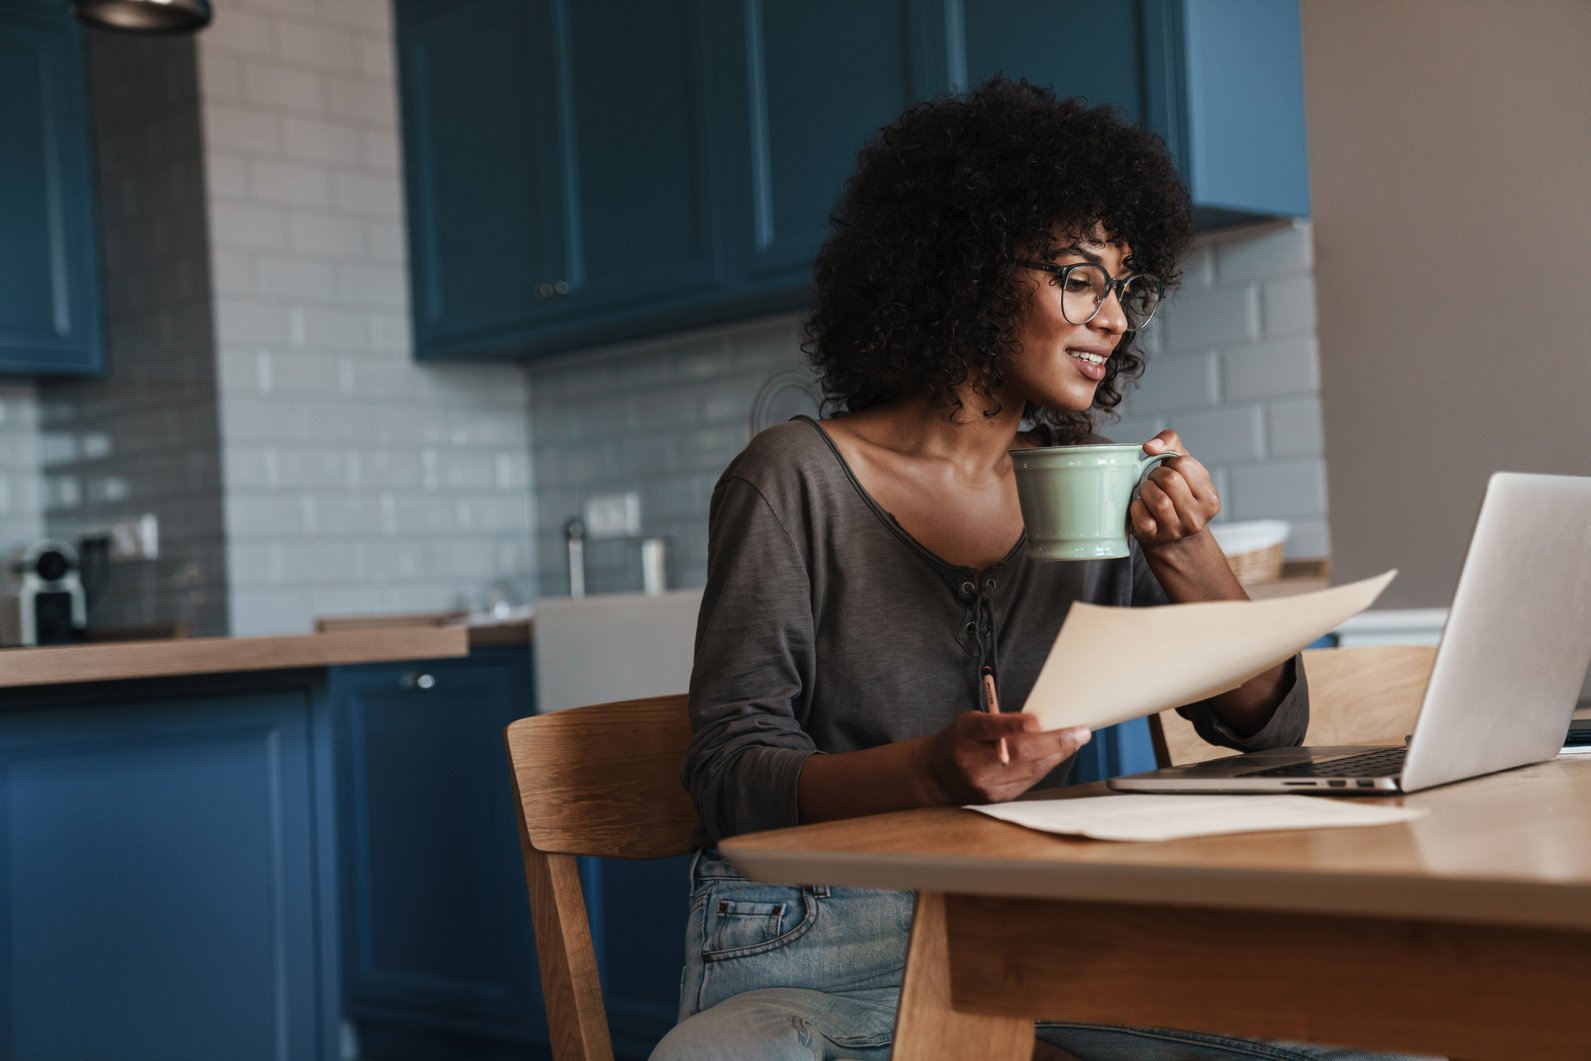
point(1058, 364)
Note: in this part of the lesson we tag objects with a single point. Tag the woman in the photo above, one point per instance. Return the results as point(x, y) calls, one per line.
point(992, 262)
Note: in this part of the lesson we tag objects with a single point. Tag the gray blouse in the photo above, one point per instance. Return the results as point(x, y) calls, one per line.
point(826, 627)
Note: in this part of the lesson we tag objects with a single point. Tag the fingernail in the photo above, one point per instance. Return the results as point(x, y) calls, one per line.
point(1082, 734)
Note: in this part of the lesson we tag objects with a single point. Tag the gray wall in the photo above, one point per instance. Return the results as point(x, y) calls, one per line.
point(1450, 143)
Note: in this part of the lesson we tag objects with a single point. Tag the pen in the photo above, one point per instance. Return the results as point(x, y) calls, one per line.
point(991, 703)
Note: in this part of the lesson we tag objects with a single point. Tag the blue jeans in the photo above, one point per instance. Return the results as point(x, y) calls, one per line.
point(813, 974)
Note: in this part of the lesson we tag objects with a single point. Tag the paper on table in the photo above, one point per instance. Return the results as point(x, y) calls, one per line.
point(1112, 664)
point(1144, 817)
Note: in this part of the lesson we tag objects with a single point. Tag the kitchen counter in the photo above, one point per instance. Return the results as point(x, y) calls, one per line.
point(72, 664)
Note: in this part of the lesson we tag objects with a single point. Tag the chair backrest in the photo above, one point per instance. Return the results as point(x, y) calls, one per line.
point(599, 780)
point(1364, 695)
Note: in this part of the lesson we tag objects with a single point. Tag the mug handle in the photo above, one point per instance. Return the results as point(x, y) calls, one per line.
point(1150, 463)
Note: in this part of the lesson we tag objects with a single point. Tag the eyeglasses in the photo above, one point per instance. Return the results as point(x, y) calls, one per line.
point(1085, 287)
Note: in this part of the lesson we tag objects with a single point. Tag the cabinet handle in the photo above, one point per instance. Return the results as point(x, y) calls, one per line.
point(545, 290)
point(414, 680)
point(562, 287)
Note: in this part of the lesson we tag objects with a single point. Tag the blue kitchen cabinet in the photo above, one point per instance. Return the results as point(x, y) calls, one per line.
point(163, 890)
point(808, 83)
point(439, 954)
point(561, 176)
point(49, 278)
point(1220, 80)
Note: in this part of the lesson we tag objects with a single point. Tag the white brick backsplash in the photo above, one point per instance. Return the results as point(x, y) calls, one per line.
point(247, 227)
point(291, 183)
point(236, 127)
point(1265, 254)
point(370, 103)
point(221, 76)
point(1289, 306)
point(375, 57)
point(1196, 319)
point(320, 141)
point(1279, 488)
point(252, 322)
point(377, 196)
point(325, 234)
point(254, 514)
point(1295, 428)
point(1187, 382)
point(279, 87)
point(1271, 370)
point(292, 277)
point(316, 46)
point(1308, 539)
point(1222, 435)
point(334, 329)
point(232, 273)
point(372, 285)
point(385, 242)
point(237, 31)
point(380, 149)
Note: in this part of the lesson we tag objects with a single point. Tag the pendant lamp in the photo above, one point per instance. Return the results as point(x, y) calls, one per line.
point(144, 16)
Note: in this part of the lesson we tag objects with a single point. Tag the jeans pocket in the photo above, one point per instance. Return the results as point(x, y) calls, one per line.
point(757, 919)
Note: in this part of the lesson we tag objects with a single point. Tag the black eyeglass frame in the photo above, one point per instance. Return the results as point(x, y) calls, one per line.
point(1119, 287)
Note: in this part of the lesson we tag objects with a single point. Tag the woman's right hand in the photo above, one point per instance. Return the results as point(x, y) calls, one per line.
point(963, 759)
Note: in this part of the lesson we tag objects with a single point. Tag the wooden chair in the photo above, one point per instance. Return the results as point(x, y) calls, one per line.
point(600, 780)
point(1366, 695)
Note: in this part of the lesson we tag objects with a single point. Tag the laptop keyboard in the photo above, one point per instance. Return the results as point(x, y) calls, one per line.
point(1379, 762)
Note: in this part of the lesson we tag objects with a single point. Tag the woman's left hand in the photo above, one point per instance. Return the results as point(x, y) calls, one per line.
point(1176, 501)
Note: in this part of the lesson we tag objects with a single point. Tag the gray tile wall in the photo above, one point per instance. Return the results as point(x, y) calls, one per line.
point(661, 418)
point(21, 484)
point(1233, 368)
point(144, 437)
point(356, 479)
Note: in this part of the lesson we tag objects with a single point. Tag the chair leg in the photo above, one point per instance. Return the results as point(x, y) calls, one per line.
point(576, 1019)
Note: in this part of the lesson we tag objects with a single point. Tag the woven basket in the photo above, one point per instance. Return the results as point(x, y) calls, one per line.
point(1259, 565)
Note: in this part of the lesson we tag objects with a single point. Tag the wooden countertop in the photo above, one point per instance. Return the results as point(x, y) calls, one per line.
point(70, 664)
point(490, 634)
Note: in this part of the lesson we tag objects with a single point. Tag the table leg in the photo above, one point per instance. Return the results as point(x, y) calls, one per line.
point(927, 1028)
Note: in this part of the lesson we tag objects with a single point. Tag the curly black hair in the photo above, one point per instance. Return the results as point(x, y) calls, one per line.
point(916, 289)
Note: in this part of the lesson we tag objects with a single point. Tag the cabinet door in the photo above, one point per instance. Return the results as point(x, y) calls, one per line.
point(49, 268)
point(810, 81)
point(160, 882)
point(1077, 47)
point(1220, 80)
point(437, 932)
point(482, 173)
point(640, 183)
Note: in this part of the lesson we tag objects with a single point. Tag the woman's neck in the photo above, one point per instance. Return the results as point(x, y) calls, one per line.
point(917, 427)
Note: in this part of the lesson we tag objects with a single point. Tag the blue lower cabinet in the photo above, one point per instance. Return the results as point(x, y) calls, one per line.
point(162, 882)
point(637, 912)
point(439, 952)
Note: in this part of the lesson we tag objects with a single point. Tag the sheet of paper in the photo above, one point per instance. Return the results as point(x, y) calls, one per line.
point(1131, 816)
point(1112, 664)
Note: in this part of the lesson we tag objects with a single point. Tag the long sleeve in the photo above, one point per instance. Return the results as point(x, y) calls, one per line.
point(1287, 724)
point(754, 669)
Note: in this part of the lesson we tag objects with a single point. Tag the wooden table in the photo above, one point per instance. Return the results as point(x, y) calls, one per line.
point(1466, 932)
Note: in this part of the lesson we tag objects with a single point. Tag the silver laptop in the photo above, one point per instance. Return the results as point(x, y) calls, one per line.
point(1508, 670)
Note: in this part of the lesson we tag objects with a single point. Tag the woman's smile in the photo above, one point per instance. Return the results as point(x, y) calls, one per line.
point(1090, 363)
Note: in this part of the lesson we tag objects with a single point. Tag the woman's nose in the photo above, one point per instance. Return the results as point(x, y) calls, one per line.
point(1111, 317)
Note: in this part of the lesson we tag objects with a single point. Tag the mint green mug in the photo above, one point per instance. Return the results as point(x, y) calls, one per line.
point(1075, 498)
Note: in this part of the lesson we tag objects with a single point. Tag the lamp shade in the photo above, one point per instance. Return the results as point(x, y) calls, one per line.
point(144, 16)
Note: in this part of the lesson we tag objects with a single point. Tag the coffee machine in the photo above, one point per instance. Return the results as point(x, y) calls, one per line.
point(47, 605)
